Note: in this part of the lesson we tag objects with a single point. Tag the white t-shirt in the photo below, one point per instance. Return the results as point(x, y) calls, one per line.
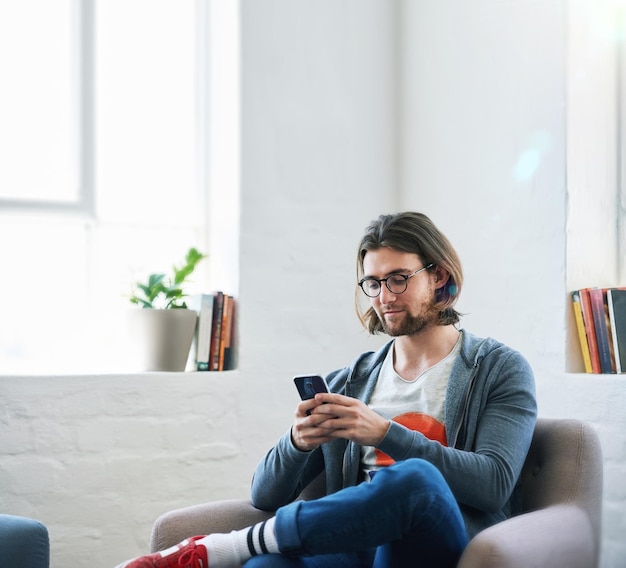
point(417, 404)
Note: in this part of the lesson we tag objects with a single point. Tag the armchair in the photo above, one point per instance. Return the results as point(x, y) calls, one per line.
point(560, 525)
point(24, 543)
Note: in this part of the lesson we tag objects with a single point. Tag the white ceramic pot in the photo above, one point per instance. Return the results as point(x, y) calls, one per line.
point(161, 339)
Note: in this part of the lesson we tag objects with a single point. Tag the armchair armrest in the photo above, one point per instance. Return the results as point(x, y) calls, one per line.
point(215, 517)
point(560, 536)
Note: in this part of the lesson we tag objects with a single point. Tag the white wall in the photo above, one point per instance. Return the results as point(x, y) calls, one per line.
point(484, 94)
point(468, 125)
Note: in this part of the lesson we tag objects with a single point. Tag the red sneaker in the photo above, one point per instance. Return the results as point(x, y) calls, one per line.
point(186, 554)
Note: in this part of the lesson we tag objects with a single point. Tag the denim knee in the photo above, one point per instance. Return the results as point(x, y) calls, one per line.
point(415, 472)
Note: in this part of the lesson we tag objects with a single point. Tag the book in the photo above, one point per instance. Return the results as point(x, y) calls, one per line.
point(216, 331)
point(223, 335)
point(616, 301)
point(227, 330)
point(203, 305)
point(229, 349)
point(580, 328)
point(596, 297)
point(590, 330)
point(607, 318)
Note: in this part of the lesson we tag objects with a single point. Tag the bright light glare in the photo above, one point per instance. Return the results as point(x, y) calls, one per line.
point(66, 281)
point(38, 131)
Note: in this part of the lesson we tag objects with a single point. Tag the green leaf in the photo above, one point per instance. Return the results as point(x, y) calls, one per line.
point(170, 293)
point(194, 256)
point(155, 280)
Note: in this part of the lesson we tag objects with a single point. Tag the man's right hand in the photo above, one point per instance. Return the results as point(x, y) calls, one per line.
point(309, 431)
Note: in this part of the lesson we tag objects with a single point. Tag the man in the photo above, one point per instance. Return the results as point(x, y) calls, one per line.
point(421, 443)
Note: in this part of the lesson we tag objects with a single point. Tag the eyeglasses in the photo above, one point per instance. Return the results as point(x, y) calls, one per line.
point(396, 283)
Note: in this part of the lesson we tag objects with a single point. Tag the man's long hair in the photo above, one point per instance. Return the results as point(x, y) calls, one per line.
point(414, 233)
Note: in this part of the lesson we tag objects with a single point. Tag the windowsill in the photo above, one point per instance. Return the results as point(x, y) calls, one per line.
point(621, 376)
point(129, 375)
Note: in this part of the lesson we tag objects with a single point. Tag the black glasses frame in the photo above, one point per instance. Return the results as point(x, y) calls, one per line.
point(385, 280)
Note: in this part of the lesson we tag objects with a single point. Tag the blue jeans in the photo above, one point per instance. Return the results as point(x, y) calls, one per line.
point(24, 543)
point(406, 516)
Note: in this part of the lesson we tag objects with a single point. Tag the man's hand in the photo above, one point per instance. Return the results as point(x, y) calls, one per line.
point(330, 416)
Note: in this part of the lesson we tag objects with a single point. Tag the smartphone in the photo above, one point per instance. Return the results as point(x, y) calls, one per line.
point(309, 385)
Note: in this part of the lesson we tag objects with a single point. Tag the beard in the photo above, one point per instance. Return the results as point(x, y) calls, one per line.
point(410, 324)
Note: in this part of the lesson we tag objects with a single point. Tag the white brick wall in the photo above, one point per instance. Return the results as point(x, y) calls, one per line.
point(98, 458)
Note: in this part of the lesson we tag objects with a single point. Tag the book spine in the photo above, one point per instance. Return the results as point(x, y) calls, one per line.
point(616, 349)
point(216, 334)
point(202, 304)
point(596, 297)
point(590, 331)
point(580, 327)
point(616, 300)
point(229, 353)
point(205, 322)
point(224, 335)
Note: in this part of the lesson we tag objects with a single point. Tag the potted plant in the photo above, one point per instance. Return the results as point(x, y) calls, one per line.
point(162, 330)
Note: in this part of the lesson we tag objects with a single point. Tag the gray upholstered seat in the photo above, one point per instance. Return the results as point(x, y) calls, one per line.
point(560, 525)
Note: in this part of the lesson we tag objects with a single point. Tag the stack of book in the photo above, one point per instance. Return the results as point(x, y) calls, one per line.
point(213, 347)
point(600, 315)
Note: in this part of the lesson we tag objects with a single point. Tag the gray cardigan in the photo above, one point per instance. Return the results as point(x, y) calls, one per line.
point(490, 414)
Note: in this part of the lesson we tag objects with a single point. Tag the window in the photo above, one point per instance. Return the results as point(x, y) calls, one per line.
point(105, 145)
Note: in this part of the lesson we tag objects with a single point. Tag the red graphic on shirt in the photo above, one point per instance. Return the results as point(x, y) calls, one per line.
point(427, 425)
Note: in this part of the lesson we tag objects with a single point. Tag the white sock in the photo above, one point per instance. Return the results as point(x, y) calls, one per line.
point(231, 550)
